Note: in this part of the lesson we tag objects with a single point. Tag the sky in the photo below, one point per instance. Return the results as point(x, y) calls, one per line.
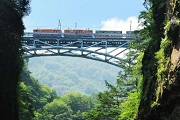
point(84, 14)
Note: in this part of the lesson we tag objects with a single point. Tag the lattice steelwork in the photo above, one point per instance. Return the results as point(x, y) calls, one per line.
point(100, 49)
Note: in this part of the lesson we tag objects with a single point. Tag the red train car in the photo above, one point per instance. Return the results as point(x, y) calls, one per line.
point(47, 33)
point(78, 33)
point(69, 31)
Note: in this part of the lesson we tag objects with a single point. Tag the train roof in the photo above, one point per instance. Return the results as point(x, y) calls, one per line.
point(107, 31)
point(47, 30)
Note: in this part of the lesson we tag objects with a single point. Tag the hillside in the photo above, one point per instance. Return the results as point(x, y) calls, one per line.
point(66, 74)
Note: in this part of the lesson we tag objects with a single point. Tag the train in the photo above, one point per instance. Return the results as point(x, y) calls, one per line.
point(47, 33)
point(108, 34)
point(79, 33)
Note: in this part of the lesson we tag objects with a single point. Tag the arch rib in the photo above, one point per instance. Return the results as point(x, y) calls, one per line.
point(90, 48)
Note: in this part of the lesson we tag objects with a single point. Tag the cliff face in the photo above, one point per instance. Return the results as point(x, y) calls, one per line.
point(160, 99)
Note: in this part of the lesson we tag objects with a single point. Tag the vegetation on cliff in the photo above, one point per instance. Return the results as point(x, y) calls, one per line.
point(39, 102)
point(147, 89)
point(156, 69)
point(160, 86)
point(11, 30)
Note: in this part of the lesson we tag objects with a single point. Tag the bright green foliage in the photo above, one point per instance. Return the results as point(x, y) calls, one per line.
point(107, 109)
point(163, 61)
point(38, 102)
point(57, 110)
point(109, 100)
point(153, 31)
point(129, 108)
point(26, 109)
point(68, 107)
point(122, 100)
point(78, 104)
point(159, 95)
point(32, 96)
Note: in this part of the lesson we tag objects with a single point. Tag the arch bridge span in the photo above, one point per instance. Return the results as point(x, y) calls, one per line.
point(107, 50)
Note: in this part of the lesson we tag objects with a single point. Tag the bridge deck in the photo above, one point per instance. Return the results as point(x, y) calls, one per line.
point(76, 46)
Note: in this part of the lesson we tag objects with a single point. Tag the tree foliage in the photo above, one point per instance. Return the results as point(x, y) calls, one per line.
point(161, 28)
point(66, 74)
point(68, 107)
point(56, 110)
point(11, 30)
point(112, 102)
point(38, 102)
point(32, 96)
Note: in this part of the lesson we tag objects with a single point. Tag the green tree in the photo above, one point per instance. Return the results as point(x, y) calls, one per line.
point(107, 109)
point(78, 104)
point(131, 79)
point(26, 108)
point(32, 96)
point(158, 91)
point(129, 108)
point(56, 110)
point(113, 101)
point(11, 30)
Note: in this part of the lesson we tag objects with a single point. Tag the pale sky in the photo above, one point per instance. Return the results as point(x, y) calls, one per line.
point(87, 14)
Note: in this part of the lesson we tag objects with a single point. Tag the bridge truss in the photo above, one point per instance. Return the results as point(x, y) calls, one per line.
point(107, 50)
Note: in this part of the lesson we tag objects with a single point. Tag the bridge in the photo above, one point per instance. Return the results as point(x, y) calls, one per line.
point(104, 49)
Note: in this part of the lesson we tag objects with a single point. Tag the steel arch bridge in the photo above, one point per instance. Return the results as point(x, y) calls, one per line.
point(99, 49)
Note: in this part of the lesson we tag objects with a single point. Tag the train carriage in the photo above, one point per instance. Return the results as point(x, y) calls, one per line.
point(108, 34)
point(78, 33)
point(55, 33)
point(130, 34)
point(47, 33)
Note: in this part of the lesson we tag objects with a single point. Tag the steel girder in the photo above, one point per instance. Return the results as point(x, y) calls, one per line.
point(104, 50)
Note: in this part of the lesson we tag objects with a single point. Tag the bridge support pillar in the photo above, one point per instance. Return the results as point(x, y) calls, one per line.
point(59, 51)
point(106, 50)
point(82, 53)
point(34, 51)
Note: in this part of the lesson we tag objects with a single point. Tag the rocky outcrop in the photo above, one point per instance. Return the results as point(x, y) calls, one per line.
point(160, 98)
